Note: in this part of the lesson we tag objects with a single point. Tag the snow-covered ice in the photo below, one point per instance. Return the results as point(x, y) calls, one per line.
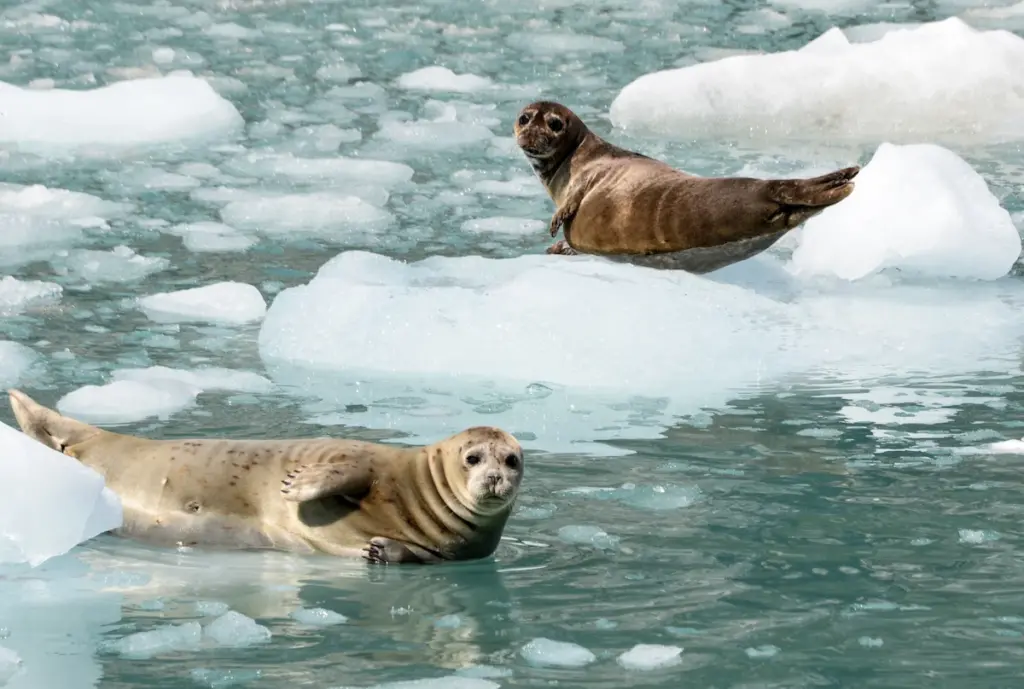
point(918, 208)
point(942, 81)
point(127, 114)
point(33, 478)
point(546, 652)
point(233, 303)
point(650, 657)
point(437, 78)
point(120, 264)
point(158, 391)
point(17, 296)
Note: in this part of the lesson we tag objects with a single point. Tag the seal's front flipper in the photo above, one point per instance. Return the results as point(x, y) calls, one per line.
point(387, 551)
point(561, 247)
point(49, 427)
point(348, 477)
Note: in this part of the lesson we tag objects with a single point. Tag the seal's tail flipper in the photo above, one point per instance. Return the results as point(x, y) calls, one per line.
point(802, 199)
point(46, 425)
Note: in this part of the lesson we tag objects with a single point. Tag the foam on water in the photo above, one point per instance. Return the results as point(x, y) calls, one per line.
point(544, 652)
point(233, 303)
point(141, 112)
point(33, 478)
point(941, 81)
point(158, 391)
point(15, 360)
point(920, 209)
point(17, 296)
point(650, 657)
point(120, 264)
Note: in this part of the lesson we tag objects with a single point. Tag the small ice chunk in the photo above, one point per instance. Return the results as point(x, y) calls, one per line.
point(338, 72)
point(333, 169)
point(17, 296)
point(211, 608)
point(523, 186)
point(448, 622)
point(120, 264)
point(320, 617)
point(10, 663)
point(127, 114)
point(220, 679)
point(236, 630)
point(942, 81)
point(551, 43)
point(222, 302)
point(323, 215)
point(766, 651)
point(138, 179)
point(501, 224)
point(1006, 447)
point(15, 361)
point(484, 672)
point(231, 30)
point(208, 236)
point(977, 536)
point(443, 132)
point(159, 641)
point(587, 535)
point(34, 477)
point(450, 682)
point(437, 78)
point(918, 208)
point(544, 652)
point(870, 642)
point(650, 657)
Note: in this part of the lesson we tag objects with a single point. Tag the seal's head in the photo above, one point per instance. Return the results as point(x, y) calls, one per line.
point(547, 132)
point(484, 466)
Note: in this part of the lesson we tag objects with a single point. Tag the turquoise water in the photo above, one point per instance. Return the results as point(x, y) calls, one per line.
point(822, 527)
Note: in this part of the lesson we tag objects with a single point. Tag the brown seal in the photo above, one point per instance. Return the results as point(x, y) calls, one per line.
point(628, 207)
point(445, 501)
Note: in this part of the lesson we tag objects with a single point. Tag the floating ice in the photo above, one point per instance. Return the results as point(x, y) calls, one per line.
point(32, 479)
point(504, 225)
point(583, 534)
point(448, 622)
point(137, 394)
point(211, 608)
point(139, 112)
point(450, 682)
point(1006, 447)
point(10, 663)
point(162, 640)
point(15, 360)
point(436, 78)
point(650, 657)
point(219, 679)
point(523, 186)
point(545, 652)
point(334, 169)
point(320, 617)
point(236, 630)
point(323, 215)
point(339, 72)
point(870, 642)
point(443, 132)
point(977, 536)
point(652, 497)
point(942, 81)
point(120, 264)
point(137, 179)
point(766, 651)
point(403, 340)
point(918, 208)
point(222, 302)
point(206, 236)
point(550, 43)
point(17, 296)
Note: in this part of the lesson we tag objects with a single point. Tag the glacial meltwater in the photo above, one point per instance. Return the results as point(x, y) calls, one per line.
point(296, 218)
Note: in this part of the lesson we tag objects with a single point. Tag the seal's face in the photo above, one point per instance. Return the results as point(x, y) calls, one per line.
point(547, 132)
point(492, 464)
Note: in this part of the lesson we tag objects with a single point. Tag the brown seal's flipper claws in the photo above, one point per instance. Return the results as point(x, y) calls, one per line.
point(384, 551)
point(47, 426)
point(816, 192)
point(561, 247)
point(346, 476)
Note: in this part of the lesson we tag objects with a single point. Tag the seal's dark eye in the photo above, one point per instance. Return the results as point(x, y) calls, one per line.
point(524, 120)
point(555, 124)
point(473, 459)
point(511, 461)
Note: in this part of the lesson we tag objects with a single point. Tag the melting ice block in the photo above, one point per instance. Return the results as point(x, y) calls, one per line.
point(138, 112)
point(919, 208)
point(33, 479)
point(222, 302)
point(942, 81)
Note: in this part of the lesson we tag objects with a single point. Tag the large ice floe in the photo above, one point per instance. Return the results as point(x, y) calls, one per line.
point(51, 502)
point(565, 350)
point(175, 108)
point(941, 81)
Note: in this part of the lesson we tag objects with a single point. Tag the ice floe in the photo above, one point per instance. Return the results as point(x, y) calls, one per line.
point(17, 296)
point(233, 303)
point(547, 652)
point(941, 81)
point(120, 264)
point(650, 657)
point(437, 78)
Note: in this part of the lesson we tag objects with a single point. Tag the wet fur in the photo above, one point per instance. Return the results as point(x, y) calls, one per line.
point(341, 497)
point(630, 207)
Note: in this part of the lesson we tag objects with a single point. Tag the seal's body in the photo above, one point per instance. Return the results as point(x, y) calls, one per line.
point(628, 207)
point(446, 501)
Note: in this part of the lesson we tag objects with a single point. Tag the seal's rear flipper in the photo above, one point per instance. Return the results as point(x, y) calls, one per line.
point(46, 425)
point(802, 199)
